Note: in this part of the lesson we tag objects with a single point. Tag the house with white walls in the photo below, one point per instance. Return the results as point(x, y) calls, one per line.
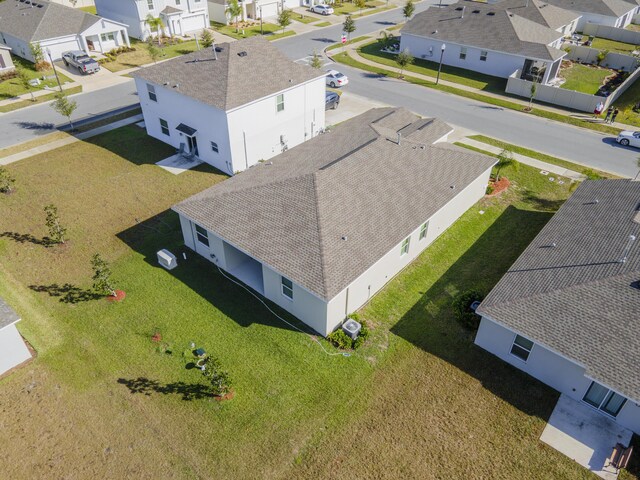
point(255, 9)
point(322, 227)
point(612, 13)
point(567, 312)
point(56, 28)
point(13, 350)
point(495, 39)
point(179, 17)
point(6, 62)
point(75, 3)
point(233, 105)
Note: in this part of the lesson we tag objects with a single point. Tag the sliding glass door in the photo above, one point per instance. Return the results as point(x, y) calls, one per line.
point(604, 399)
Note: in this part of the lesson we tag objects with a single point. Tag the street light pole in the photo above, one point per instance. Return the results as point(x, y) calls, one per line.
point(261, 31)
point(442, 48)
point(54, 68)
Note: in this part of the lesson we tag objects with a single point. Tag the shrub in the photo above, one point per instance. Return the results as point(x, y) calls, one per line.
point(6, 181)
point(8, 75)
point(343, 341)
point(42, 66)
point(591, 174)
point(340, 339)
point(490, 189)
point(462, 308)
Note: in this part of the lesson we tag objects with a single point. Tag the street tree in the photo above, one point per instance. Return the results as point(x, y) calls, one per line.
point(408, 9)
point(349, 26)
point(532, 93)
point(64, 106)
point(57, 232)
point(154, 52)
point(505, 159)
point(404, 59)
point(6, 181)
point(284, 18)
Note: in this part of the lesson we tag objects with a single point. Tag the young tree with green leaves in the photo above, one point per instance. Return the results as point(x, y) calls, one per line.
point(24, 79)
point(102, 282)
point(284, 18)
point(234, 12)
point(6, 181)
point(532, 93)
point(154, 52)
point(316, 61)
point(505, 159)
point(408, 9)
point(37, 52)
point(157, 24)
point(220, 380)
point(404, 59)
point(206, 38)
point(57, 232)
point(349, 26)
point(64, 106)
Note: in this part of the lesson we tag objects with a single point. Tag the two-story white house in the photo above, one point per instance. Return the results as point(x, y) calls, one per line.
point(322, 227)
point(180, 17)
point(233, 105)
point(56, 28)
point(568, 310)
point(495, 39)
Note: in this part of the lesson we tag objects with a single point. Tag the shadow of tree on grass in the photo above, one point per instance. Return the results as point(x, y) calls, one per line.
point(27, 238)
point(67, 292)
point(188, 391)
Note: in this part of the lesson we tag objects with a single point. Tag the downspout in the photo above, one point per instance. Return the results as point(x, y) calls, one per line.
point(346, 304)
point(246, 158)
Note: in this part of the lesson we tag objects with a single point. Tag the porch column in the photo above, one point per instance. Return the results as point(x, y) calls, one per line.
point(547, 73)
point(125, 37)
point(83, 44)
point(100, 42)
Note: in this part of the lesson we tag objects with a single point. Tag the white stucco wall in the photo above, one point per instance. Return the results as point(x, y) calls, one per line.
point(123, 11)
point(13, 350)
point(6, 62)
point(217, 13)
point(620, 22)
point(549, 367)
point(373, 279)
point(255, 129)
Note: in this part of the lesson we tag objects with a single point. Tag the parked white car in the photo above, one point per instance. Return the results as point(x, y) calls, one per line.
point(336, 79)
point(322, 9)
point(628, 138)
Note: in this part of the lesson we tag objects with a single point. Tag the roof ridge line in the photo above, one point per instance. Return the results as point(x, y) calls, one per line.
point(323, 266)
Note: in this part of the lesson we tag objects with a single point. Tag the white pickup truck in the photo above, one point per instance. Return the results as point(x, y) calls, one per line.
point(80, 60)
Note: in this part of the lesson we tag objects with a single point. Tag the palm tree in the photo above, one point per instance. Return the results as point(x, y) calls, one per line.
point(234, 10)
point(155, 22)
point(505, 159)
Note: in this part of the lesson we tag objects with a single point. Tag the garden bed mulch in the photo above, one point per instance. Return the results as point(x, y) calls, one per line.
point(499, 186)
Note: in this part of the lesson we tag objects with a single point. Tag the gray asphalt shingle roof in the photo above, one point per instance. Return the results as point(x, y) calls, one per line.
point(540, 12)
point(41, 20)
point(355, 182)
point(577, 298)
point(609, 8)
point(486, 26)
point(8, 316)
point(232, 79)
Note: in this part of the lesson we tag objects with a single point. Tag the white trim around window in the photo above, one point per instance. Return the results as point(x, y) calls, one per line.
point(287, 288)
point(202, 235)
point(521, 347)
point(423, 231)
point(404, 248)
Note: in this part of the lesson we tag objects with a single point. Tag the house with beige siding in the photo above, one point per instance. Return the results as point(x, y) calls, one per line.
point(322, 227)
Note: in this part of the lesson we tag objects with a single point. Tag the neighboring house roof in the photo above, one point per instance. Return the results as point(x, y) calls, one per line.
point(569, 290)
point(325, 211)
point(540, 12)
point(241, 72)
point(169, 10)
point(485, 26)
point(8, 316)
point(609, 8)
point(41, 20)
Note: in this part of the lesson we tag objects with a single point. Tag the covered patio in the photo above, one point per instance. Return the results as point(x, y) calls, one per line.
point(585, 435)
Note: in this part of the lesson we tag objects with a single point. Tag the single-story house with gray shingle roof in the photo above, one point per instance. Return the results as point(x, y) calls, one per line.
point(6, 62)
point(490, 38)
point(13, 350)
point(613, 13)
point(56, 28)
point(235, 106)
point(568, 310)
point(322, 227)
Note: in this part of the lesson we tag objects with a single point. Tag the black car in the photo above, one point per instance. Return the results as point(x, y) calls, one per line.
point(331, 100)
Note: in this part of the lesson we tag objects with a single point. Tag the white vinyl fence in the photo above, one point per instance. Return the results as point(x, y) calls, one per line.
point(617, 61)
point(612, 33)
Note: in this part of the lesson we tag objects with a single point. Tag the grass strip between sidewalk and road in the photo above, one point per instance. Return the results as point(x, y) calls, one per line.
point(345, 59)
point(354, 40)
point(10, 107)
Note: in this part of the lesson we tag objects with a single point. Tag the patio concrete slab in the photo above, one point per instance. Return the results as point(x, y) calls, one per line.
point(177, 164)
point(350, 106)
point(584, 435)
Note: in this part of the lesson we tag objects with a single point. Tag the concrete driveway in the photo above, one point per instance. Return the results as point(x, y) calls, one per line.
point(96, 81)
point(350, 106)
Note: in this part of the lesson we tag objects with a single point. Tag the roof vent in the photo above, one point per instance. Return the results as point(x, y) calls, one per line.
point(476, 11)
point(491, 14)
point(627, 249)
point(453, 187)
point(219, 49)
point(459, 9)
point(636, 284)
point(344, 237)
point(242, 54)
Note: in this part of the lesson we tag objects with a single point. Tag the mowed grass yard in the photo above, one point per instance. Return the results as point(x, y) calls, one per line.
point(418, 401)
point(141, 55)
point(584, 78)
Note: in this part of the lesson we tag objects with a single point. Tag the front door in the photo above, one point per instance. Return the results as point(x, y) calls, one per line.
point(90, 45)
point(192, 143)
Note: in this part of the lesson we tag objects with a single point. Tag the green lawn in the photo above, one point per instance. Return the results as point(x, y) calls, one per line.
point(12, 87)
point(102, 400)
point(322, 24)
point(613, 46)
point(349, 8)
point(141, 55)
point(270, 30)
point(304, 18)
point(10, 107)
point(584, 78)
point(627, 103)
point(469, 78)
point(91, 9)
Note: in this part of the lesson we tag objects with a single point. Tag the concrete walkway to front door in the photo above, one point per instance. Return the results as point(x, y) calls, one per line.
point(584, 435)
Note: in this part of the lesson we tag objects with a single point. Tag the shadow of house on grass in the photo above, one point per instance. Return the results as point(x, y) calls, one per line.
point(163, 231)
point(188, 391)
point(430, 324)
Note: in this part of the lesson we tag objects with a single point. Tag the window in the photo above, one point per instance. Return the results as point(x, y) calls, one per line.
point(483, 55)
point(604, 399)
point(202, 236)
point(214, 147)
point(463, 53)
point(521, 348)
point(150, 4)
point(404, 249)
point(164, 126)
point(280, 102)
point(287, 288)
point(107, 36)
point(152, 92)
point(423, 230)
point(177, 2)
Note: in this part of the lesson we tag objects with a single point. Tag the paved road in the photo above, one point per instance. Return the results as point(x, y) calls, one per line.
point(583, 146)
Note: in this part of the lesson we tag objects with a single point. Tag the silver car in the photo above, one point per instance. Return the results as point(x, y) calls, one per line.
point(629, 138)
point(322, 9)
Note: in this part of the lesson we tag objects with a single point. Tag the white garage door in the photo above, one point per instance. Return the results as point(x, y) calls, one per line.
point(13, 351)
point(58, 47)
point(268, 10)
point(189, 24)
